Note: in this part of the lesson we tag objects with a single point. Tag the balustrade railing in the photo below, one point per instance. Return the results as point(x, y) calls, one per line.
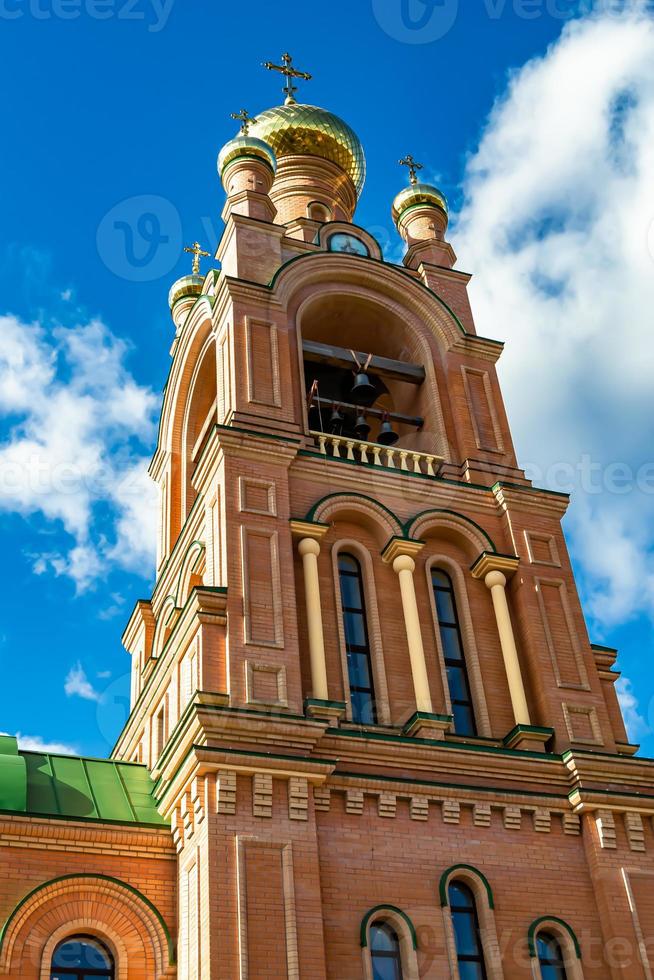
point(375, 454)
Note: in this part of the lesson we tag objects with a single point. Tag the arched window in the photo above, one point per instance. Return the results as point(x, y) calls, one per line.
point(467, 938)
point(357, 645)
point(453, 653)
point(82, 958)
point(385, 953)
point(550, 957)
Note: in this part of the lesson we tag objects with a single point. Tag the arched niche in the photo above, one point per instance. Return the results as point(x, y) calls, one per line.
point(199, 414)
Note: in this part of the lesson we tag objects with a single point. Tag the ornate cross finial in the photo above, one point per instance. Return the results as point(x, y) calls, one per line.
point(245, 120)
point(286, 68)
point(196, 250)
point(414, 167)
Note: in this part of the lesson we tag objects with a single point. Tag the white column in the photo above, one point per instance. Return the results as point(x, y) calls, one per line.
point(309, 550)
point(404, 566)
point(496, 582)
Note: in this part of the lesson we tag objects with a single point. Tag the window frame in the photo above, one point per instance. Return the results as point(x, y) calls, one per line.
point(395, 955)
point(559, 963)
point(485, 905)
point(405, 931)
point(357, 649)
point(445, 563)
point(449, 662)
point(472, 912)
point(83, 972)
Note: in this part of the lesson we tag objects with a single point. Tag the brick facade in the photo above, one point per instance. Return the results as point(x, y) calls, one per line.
point(290, 821)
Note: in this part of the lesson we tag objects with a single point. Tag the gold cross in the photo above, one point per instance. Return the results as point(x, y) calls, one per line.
point(286, 68)
point(409, 162)
point(196, 251)
point(245, 121)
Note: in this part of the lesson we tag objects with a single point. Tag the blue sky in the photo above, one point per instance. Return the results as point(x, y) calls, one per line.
point(535, 119)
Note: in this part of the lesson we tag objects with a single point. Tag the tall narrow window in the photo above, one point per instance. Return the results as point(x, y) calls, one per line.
point(82, 958)
point(550, 957)
point(455, 664)
point(469, 950)
point(385, 952)
point(357, 646)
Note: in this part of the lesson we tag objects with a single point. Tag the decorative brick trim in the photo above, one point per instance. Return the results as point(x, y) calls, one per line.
point(419, 808)
point(542, 820)
point(354, 801)
point(298, 798)
point(481, 814)
point(512, 818)
point(633, 823)
point(572, 824)
point(226, 792)
point(321, 798)
point(262, 794)
point(387, 804)
point(198, 799)
point(451, 811)
point(605, 823)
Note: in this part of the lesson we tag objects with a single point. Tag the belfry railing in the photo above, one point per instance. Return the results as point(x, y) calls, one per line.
point(374, 454)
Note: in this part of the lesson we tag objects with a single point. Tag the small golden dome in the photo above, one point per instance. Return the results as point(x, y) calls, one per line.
point(418, 194)
point(306, 129)
point(246, 145)
point(184, 287)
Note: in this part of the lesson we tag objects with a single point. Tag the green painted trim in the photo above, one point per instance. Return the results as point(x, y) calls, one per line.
point(442, 886)
point(519, 486)
point(96, 877)
point(551, 918)
point(453, 513)
point(422, 204)
point(362, 496)
point(600, 646)
point(527, 730)
point(318, 702)
point(36, 815)
point(363, 932)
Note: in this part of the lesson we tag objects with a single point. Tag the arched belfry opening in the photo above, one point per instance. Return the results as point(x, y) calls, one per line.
point(199, 418)
point(368, 374)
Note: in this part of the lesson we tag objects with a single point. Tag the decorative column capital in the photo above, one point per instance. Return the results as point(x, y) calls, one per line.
point(400, 548)
point(307, 529)
point(308, 546)
point(489, 561)
point(404, 563)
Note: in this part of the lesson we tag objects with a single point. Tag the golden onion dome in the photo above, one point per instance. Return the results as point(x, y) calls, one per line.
point(246, 145)
point(185, 287)
point(418, 193)
point(306, 129)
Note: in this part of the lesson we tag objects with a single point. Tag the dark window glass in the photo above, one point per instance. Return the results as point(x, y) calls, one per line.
point(550, 958)
point(469, 950)
point(82, 958)
point(385, 952)
point(357, 646)
point(457, 674)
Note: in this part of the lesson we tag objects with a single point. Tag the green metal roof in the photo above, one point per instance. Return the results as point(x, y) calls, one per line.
point(39, 783)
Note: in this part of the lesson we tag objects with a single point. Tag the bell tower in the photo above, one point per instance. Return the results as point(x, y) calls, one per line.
point(364, 664)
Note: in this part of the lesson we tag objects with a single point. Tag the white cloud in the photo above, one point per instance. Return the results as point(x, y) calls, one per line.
point(637, 726)
point(34, 743)
point(78, 684)
point(76, 427)
point(558, 207)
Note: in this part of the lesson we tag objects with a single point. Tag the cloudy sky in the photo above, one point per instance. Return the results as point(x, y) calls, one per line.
point(536, 119)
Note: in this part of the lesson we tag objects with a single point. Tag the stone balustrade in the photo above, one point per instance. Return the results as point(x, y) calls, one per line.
point(374, 454)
